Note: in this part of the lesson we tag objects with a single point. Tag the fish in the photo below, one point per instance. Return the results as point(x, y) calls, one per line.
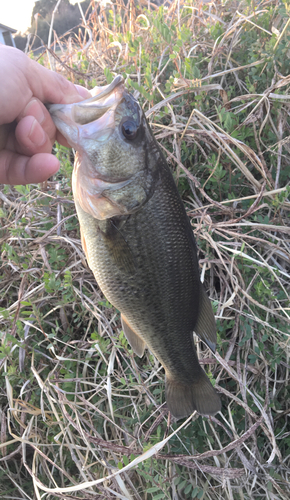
point(138, 240)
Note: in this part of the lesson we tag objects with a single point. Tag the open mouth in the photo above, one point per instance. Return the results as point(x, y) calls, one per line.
point(89, 119)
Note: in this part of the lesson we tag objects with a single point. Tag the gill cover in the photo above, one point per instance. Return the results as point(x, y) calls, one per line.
point(106, 130)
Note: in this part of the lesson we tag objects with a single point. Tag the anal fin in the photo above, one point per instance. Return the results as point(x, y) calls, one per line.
point(205, 326)
point(137, 343)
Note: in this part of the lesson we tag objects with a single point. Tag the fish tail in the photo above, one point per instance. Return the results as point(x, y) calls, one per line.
point(183, 399)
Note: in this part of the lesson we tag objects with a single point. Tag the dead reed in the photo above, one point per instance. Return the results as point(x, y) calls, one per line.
point(81, 417)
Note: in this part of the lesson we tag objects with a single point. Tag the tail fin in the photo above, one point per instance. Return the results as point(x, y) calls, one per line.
point(183, 399)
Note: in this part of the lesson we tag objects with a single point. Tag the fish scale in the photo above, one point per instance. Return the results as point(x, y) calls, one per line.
point(139, 244)
point(150, 310)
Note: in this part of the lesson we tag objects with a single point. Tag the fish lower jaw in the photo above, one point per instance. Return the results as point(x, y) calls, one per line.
point(99, 185)
point(99, 207)
point(93, 197)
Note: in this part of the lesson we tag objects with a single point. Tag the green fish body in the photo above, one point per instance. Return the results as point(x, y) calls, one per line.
point(138, 240)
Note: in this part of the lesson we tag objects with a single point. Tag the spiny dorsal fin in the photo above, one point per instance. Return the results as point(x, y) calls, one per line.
point(205, 326)
point(138, 345)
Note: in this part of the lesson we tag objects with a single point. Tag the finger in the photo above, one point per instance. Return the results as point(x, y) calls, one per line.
point(82, 91)
point(37, 109)
point(31, 79)
point(31, 138)
point(19, 169)
point(6, 130)
point(52, 87)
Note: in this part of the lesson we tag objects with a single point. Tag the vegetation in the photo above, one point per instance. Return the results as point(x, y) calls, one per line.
point(81, 416)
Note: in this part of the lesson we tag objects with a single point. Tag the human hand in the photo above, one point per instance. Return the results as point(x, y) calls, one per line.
point(27, 132)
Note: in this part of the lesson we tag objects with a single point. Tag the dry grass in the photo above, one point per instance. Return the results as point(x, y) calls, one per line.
point(81, 417)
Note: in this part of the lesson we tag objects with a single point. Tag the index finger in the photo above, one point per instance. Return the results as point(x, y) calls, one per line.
point(51, 87)
point(22, 79)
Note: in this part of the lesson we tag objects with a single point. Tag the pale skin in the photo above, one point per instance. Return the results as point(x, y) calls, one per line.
point(27, 132)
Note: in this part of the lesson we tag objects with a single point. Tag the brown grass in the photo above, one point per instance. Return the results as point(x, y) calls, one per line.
point(81, 417)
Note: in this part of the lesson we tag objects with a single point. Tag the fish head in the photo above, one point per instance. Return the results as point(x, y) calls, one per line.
point(115, 165)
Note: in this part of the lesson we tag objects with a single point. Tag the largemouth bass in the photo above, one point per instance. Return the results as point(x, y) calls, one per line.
point(138, 240)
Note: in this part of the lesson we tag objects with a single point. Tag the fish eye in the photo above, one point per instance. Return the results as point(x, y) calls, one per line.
point(129, 130)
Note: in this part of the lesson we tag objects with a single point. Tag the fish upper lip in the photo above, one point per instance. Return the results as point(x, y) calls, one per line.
point(107, 90)
point(99, 103)
point(92, 105)
point(92, 117)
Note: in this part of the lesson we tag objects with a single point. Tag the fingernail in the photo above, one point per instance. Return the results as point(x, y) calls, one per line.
point(82, 91)
point(37, 134)
point(34, 108)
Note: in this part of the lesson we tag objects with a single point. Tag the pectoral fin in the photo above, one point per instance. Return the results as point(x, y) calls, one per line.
point(205, 326)
point(118, 247)
point(138, 345)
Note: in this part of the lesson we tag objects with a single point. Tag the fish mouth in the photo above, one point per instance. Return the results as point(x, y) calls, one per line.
point(98, 188)
point(91, 119)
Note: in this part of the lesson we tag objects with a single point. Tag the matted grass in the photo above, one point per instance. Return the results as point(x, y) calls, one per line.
point(81, 416)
